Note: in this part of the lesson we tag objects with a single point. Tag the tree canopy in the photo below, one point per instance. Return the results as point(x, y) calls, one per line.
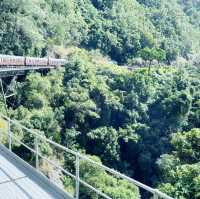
point(144, 123)
point(119, 28)
point(181, 169)
point(125, 118)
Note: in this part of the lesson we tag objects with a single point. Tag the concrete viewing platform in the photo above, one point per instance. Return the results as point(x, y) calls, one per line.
point(19, 180)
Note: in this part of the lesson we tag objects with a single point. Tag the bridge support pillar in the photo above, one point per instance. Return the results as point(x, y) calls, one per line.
point(8, 92)
point(3, 95)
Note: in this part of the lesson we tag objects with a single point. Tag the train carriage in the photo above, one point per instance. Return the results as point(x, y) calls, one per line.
point(31, 61)
point(56, 62)
point(17, 61)
point(6, 60)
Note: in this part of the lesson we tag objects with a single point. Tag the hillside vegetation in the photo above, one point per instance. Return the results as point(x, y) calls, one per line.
point(125, 118)
point(119, 28)
point(144, 123)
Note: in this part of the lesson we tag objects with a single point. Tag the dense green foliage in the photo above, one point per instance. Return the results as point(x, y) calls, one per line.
point(119, 28)
point(181, 169)
point(128, 120)
point(115, 188)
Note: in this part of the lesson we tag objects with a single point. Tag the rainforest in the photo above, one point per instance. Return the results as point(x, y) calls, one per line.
point(128, 96)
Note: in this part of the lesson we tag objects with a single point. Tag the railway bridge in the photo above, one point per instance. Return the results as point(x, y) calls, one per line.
point(13, 66)
point(16, 65)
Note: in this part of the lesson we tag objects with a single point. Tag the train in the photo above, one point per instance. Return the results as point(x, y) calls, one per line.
point(17, 61)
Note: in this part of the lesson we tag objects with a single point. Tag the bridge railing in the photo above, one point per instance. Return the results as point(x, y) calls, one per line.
point(34, 148)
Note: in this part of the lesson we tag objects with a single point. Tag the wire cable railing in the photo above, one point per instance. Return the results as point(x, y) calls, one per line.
point(11, 138)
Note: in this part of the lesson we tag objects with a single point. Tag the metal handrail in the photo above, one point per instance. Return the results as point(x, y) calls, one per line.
point(156, 193)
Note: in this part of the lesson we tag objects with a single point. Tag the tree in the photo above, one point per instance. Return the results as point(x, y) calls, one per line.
point(152, 54)
point(113, 187)
point(104, 143)
point(147, 54)
point(159, 54)
point(187, 145)
point(181, 170)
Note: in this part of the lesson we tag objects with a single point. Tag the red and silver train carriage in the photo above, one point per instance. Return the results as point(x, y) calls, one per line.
point(16, 61)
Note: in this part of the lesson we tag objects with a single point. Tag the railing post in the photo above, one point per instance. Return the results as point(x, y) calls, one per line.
point(155, 195)
point(36, 153)
point(77, 176)
point(9, 135)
